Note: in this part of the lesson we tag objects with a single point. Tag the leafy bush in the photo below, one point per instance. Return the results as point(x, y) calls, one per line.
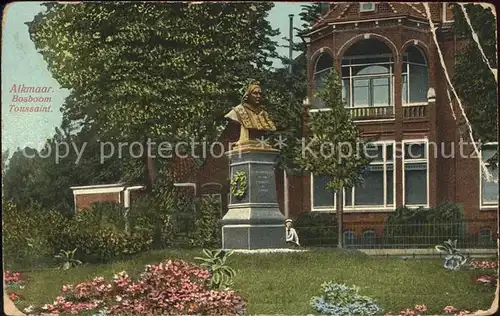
point(28, 235)
point(425, 226)
point(170, 288)
point(100, 236)
point(341, 299)
point(207, 228)
point(221, 274)
point(316, 229)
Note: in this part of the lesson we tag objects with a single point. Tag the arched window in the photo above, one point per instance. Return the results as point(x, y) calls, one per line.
point(367, 74)
point(349, 237)
point(485, 235)
point(323, 67)
point(368, 237)
point(415, 77)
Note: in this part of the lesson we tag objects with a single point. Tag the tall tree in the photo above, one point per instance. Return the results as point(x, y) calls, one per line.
point(165, 71)
point(473, 80)
point(333, 146)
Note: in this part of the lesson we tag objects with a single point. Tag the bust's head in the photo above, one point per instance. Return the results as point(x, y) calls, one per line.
point(253, 95)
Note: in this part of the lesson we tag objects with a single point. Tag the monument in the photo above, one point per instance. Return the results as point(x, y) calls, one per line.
point(253, 220)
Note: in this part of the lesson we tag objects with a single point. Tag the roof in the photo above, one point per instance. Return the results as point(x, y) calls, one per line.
point(349, 11)
point(98, 186)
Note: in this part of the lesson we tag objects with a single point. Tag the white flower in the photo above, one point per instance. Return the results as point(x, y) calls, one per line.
point(28, 309)
point(46, 306)
point(118, 298)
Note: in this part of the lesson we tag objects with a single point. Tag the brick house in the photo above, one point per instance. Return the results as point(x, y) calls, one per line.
point(396, 91)
point(395, 88)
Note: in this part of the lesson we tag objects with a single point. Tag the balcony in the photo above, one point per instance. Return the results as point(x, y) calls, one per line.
point(415, 111)
point(372, 113)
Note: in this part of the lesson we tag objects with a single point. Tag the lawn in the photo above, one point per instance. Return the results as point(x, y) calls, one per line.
point(284, 283)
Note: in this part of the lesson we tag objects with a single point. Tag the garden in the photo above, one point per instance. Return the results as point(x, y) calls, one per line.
point(101, 262)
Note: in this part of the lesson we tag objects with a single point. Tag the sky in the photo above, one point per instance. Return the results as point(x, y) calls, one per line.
point(23, 65)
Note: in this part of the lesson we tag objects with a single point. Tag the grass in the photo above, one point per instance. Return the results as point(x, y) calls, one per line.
point(284, 283)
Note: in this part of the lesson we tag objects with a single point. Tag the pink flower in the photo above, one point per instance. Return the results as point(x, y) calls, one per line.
point(449, 309)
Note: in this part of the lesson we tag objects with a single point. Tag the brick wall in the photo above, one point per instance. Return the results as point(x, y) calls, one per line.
point(85, 200)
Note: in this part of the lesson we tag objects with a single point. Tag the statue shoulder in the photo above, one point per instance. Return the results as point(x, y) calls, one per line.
point(233, 114)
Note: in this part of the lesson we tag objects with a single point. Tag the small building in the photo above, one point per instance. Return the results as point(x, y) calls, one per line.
point(120, 193)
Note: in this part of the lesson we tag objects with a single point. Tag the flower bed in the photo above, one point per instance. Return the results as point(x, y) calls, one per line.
point(172, 287)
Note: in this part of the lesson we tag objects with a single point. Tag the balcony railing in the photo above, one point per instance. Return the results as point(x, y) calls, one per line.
point(415, 111)
point(371, 113)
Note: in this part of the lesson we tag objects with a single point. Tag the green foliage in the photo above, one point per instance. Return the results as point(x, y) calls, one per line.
point(28, 234)
point(163, 71)
point(421, 225)
point(99, 235)
point(316, 229)
point(39, 178)
point(332, 147)
point(473, 80)
point(215, 262)
point(207, 228)
point(239, 184)
point(67, 259)
point(341, 299)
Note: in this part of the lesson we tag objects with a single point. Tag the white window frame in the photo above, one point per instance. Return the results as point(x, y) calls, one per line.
point(390, 75)
point(484, 206)
point(372, 9)
point(365, 208)
point(425, 141)
point(408, 82)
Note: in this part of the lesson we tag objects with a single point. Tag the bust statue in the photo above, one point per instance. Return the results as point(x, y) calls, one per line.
point(254, 120)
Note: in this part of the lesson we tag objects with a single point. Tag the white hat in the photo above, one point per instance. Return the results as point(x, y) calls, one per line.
point(288, 220)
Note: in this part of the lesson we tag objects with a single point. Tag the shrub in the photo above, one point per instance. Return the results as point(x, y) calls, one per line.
point(316, 229)
point(340, 299)
point(207, 228)
point(99, 235)
point(28, 235)
point(172, 287)
point(159, 215)
point(425, 227)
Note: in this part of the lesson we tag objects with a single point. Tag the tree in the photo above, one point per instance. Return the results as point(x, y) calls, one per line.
point(153, 70)
point(287, 91)
point(333, 146)
point(43, 178)
point(473, 80)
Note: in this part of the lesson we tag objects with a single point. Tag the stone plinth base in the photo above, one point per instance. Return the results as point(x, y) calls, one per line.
point(253, 220)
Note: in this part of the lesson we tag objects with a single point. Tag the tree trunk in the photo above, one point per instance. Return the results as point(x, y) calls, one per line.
point(340, 215)
point(149, 167)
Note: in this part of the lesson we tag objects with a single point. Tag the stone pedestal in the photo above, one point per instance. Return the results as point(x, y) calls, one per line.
point(253, 220)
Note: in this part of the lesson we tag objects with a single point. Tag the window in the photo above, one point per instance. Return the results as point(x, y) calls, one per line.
point(485, 235)
point(377, 189)
point(368, 237)
point(367, 7)
point(322, 199)
point(489, 189)
point(367, 75)
point(323, 67)
point(415, 173)
point(349, 237)
point(415, 77)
